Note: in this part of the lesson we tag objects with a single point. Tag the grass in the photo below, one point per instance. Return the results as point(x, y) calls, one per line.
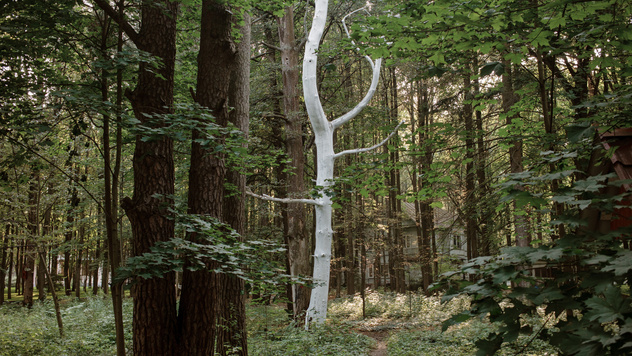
point(411, 324)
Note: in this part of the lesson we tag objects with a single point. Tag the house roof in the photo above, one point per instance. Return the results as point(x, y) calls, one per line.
point(442, 217)
point(621, 140)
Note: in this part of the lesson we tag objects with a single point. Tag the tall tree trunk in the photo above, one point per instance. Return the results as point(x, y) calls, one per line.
point(509, 98)
point(95, 267)
point(470, 199)
point(19, 269)
point(200, 289)
point(485, 210)
point(79, 260)
point(148, 210)
point(297, 239)
point(232, 333)
point(30, 247)
point(68, 236)
point(41, 266)
point(3, 263)
point(111, 181)
point(12, 241)
point(423, 209)
point(323, 137)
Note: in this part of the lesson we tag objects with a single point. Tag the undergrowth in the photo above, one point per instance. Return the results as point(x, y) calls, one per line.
point(412, 322)
point(88, 328)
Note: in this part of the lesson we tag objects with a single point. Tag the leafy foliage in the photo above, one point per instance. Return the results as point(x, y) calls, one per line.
point(88, 329)
point(587, 298)
point(214, 241)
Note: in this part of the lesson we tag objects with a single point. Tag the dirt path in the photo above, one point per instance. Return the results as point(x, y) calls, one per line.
point(380, 337)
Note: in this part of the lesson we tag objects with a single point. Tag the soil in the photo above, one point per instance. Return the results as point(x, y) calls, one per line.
point(380, 337)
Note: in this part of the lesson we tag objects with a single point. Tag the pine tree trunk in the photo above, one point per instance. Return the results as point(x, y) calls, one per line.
point(30, 247)
point(112, 255)
point(154, 299)
point(10, 268)
point(79, 260)
point(509, 98)
point(232, 334)
point(201, 289)
point(297, 238)
point(4, 245)
point(470, 177)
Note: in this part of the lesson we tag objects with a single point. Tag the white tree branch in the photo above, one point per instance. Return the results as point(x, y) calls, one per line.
point(374, 81)
point(360, 150)
point(282, 200)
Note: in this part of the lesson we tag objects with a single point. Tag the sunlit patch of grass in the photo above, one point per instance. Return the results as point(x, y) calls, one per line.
point(88, 328)
point(386, 310)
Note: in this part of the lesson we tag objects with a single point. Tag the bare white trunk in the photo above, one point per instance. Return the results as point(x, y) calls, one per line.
point(323, 132)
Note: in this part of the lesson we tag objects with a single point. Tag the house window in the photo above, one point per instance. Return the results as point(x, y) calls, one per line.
point(456, 240)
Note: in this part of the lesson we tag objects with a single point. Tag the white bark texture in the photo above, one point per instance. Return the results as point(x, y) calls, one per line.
point(323, 132)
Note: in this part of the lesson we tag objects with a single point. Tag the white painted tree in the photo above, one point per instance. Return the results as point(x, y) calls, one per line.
point(323, 131)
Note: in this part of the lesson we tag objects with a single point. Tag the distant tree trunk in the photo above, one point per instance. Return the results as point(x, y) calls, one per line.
point(549, 128)
point(112, 254)
point(10, 265)
point(485, 210)
point(79, 260)
point(377, 271)
point(509, 98)
point(95, 272)
point(41, 266)
point(350, 270)
point(200, 289)
point(30, 248)
point(68, 236)
point(3, 263)
point(55, 299)
point(339, 254)
point(298, 252)
point(232, 333)
point(423, 210)
point(362, 264)
point(19, 262)
point(470, 183)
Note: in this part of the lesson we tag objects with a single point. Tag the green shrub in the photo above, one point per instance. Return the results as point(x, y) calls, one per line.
point(88, 329)
point(323, 340)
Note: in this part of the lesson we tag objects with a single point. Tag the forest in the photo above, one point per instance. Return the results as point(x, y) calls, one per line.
point(344, 177)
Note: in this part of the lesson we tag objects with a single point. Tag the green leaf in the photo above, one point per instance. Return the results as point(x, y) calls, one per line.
point(621, 265)
point(579, 131)
point(437, 204)
point(492, 67)
point(608, 308)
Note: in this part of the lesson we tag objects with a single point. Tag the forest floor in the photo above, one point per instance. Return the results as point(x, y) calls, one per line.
point(381, 338)
point(392, 324)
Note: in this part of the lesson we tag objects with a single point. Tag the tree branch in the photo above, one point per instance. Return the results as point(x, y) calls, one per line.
point(360, 150)
point(120, 20)
point(281, 200)
point(375, 66)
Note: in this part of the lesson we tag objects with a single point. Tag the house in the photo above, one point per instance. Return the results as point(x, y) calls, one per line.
point(450, 243)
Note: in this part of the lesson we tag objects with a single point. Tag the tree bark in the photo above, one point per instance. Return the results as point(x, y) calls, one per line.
point(3, 263)
point(232, 333)
point(470, 183)
point(323, 131)
point(111, 198)
point(154, 302)
point(30, 249)
point(200, 289)
point(10, 267)
point(509, 98)
point(296, 216)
